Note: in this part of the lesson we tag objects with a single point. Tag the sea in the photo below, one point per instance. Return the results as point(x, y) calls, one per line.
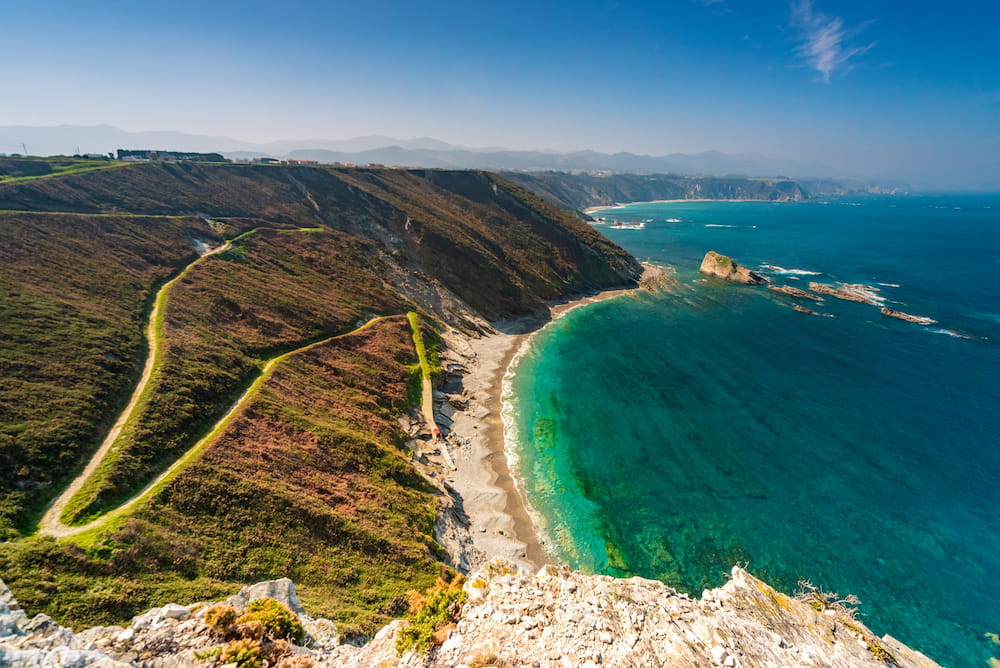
point(673, 435)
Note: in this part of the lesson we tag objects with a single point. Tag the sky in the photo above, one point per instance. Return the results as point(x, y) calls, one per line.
point(882, 88)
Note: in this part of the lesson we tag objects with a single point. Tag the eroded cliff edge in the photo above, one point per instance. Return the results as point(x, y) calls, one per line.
point(509, 618)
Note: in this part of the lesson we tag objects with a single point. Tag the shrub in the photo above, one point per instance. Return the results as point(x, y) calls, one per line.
point(437, 610)
point(242, 653)
point(276, 619)
point(220, 617)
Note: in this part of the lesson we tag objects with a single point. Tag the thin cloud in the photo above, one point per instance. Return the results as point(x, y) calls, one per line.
point(824, 39)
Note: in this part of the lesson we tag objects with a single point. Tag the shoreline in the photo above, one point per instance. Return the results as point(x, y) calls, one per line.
point(499, 519)
point(592, 209)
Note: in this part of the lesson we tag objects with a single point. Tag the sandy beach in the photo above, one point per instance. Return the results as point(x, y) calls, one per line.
point(469, 406)
point(591, 209)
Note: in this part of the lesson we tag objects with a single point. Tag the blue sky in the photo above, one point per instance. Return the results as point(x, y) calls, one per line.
point(880, 88)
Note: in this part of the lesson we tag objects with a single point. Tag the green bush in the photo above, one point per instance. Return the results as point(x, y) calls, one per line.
point(440, 609)
point(242, 653)
point(220, 617)
point(276, 619)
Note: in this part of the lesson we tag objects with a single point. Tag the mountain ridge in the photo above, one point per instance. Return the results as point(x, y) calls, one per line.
point(416, 152)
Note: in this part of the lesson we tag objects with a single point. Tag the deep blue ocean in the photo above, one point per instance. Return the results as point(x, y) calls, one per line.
point(674, 435)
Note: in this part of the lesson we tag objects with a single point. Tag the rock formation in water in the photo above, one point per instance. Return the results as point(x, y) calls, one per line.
point(555, 618)
point(726, 268)
point(797, 293)
point(854, 292)
point(920, 320)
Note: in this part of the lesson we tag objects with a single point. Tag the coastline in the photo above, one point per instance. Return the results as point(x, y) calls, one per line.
point(498, 521)
point(592, 209)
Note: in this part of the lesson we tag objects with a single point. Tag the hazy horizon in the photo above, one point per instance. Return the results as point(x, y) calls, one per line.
point(883, 91)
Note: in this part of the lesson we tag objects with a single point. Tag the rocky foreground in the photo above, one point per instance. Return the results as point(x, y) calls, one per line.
point(509, 618)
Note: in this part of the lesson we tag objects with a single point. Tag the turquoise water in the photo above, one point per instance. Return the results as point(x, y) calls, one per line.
point(674, 435)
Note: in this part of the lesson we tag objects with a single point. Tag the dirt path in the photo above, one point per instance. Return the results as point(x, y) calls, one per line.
point(50, 523)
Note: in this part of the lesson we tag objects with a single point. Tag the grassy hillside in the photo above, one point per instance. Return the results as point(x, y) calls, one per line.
point(23, 169)
point(499, 247)
point(272, 291)
point(73, 290)
point(309, 481)
point(576, 192)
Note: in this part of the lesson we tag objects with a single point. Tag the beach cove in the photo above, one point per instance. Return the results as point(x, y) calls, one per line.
point(672, 436)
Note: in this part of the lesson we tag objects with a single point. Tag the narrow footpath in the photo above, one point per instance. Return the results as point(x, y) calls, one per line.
point(52, 524)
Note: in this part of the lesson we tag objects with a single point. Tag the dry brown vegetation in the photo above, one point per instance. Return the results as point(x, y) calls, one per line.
point(73, 289)
point(310, 481)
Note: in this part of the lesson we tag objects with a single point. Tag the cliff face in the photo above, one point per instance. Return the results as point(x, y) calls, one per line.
point(554, 618)
point(580, 191)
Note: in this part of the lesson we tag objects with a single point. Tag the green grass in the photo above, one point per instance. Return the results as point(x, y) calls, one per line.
point(221, 322)
point(73, 293)
point(16, 170)
point(418, 344)
point(311, 481)
point(117, 515)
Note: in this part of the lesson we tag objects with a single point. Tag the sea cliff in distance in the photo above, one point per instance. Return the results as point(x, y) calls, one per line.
point(580, 191)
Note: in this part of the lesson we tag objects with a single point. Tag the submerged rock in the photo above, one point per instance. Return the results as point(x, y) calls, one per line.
point(854, 292)
point(726, 268)
point(794, 292)
point(920, 320)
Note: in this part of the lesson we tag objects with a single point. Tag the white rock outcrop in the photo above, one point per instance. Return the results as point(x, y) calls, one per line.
point(553, 618)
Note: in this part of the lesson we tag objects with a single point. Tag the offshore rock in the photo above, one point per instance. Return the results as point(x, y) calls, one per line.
point(851, 292)
point(920, 320)
point(726, 268)
point(797, 293)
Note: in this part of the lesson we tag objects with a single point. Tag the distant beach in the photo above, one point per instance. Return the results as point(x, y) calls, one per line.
point(591, 209)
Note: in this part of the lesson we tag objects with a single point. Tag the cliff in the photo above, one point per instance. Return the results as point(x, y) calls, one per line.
point(576, 192)
point(508, 618)
point(726, 268)
point(313, 478)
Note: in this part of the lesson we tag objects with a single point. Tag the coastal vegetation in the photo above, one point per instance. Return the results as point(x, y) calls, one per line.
point(74, 292)
point(309, 478)
point(220, 324)
point(23, 169)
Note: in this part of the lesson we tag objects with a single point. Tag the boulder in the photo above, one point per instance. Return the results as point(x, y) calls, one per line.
point(282, 590)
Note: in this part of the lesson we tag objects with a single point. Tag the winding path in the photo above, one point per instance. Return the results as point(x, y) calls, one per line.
point(51, 523)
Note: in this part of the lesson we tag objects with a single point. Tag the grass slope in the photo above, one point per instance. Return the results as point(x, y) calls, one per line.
point(309, 482)
point(272, 291)
point(25, 169)
point(500, 248)
point(73, 290)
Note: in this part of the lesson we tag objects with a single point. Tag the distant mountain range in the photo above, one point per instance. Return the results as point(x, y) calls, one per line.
point(419, 152)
